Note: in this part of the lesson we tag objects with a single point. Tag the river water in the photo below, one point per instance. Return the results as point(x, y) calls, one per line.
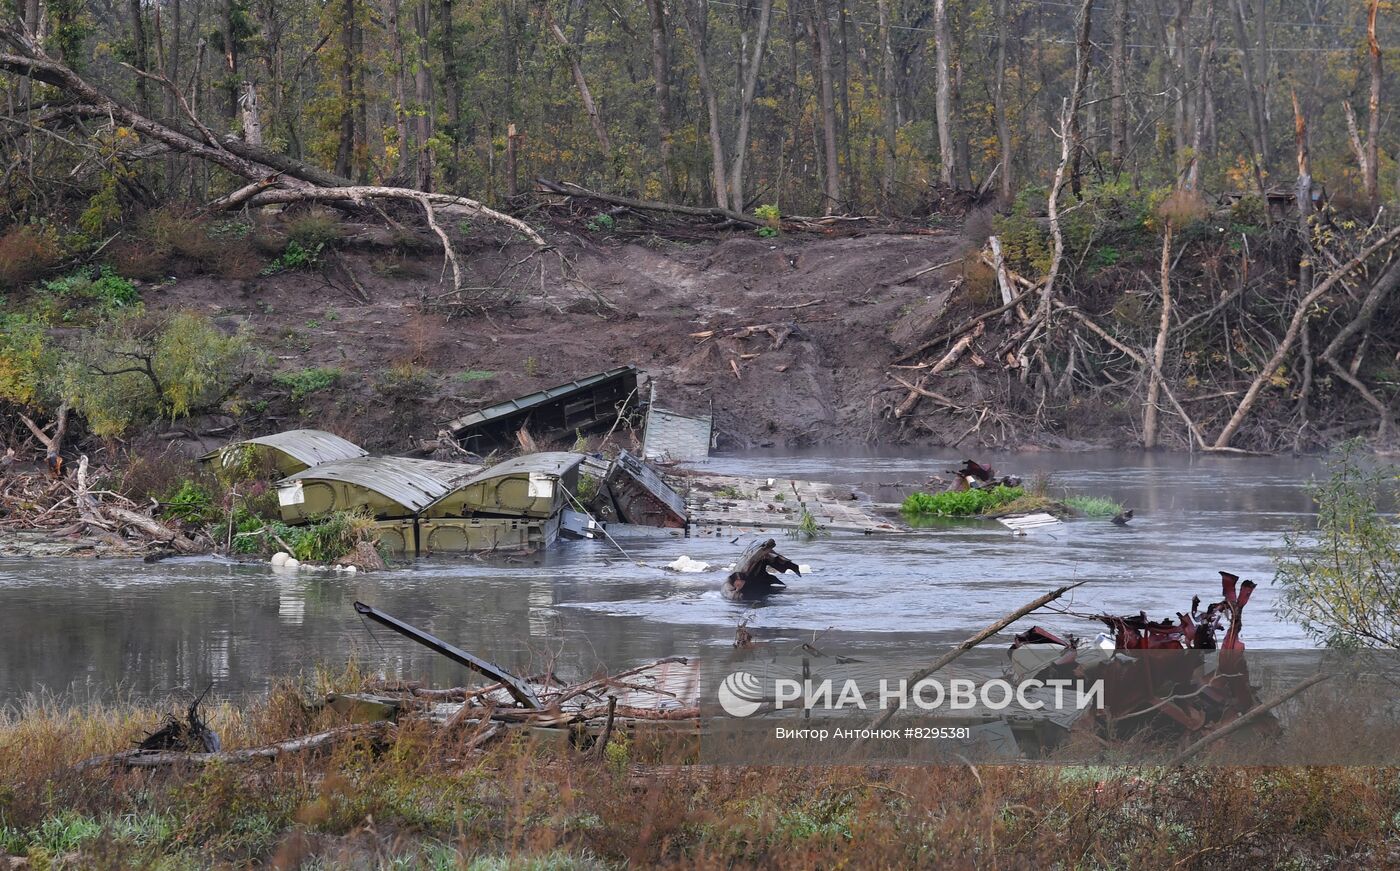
point(98, 629)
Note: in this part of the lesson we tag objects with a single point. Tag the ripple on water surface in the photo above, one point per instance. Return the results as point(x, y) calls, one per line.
point(104, 627)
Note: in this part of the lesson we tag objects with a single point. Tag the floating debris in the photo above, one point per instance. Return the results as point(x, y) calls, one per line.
point(642, 497)
point(1020, 524)
point(751, 579)
point(684, 563)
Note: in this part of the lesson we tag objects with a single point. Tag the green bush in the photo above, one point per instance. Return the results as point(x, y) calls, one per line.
point(313, 231)
point(102, 287)
point(326, 540)
point(307, 381)
point(404, 381)
point(295, 256)
point(136, 369)
point(28, 360)
point(768, 213)
point(1341, 580)
point(332, 537)
point(191, 503)
point(1094, 506)
point(960, 503)
point(601, 223)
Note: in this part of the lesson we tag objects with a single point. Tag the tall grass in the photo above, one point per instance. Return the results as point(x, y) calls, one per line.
point(1094, 506)
point(425, 801)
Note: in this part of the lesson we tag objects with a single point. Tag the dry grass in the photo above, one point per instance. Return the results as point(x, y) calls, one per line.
point(425, 801)
point(26, 253)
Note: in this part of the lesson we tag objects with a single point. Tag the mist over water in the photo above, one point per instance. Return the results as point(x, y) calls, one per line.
point(104, 628)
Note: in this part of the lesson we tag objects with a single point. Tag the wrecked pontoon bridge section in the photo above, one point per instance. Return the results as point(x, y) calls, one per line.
point(426, 506)
point(514, 505)
point(584, 406)
point(289, 452)
point(387, 487)
point(725, 502)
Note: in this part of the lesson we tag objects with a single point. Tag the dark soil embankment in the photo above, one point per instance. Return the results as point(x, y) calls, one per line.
point(835, 313)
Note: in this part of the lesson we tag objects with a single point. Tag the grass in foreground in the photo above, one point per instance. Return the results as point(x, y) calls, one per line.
point(424, 801)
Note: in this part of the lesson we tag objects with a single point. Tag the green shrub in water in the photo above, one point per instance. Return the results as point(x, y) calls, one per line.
point(1093, 506)
point(325, 540)
point(960, 503)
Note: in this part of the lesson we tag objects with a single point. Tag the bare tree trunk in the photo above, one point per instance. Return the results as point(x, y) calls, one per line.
point(1358, 148)
point(821, 42)
point(1303, 196)
point(750, 85)
point(228, 35)
point(1159, 351)
point(576, 67)
point(1083, 52)
point(345, 149)
point(1380, 291)
point(949, 172)
point(999, 103)
point(661, 76)
point(362, 161)
point(139, 57)
point(1179, 56)
point(1118, 82)
point(697, 29)
point(1193, 173)
point(1261, 78)
point(1071, 108)
point(248, 110)
point(512, 152)
point(1373, 133)
point(423, 98)
point(452, 86)
point(960, 146)
point(888, 106)
point(400, 62)
point(1258, 125)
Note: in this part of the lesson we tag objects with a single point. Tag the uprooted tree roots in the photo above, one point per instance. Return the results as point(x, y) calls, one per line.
point(77, 507)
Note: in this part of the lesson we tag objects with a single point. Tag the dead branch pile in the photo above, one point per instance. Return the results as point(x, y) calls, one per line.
point(77, 506)
point(591, 710)
point(1050, 343)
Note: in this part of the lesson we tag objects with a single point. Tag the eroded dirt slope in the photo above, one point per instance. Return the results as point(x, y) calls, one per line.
point(835, 312)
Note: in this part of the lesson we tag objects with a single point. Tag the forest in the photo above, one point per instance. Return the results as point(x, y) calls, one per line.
point(1184, 205)
point(811, 106)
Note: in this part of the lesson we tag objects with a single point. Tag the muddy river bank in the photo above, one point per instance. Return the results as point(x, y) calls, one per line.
point(95, 628)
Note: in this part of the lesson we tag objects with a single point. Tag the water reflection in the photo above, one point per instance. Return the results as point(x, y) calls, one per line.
point(104, 627)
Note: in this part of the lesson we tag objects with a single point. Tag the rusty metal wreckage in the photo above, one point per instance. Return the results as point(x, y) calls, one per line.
point(1155, 669)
